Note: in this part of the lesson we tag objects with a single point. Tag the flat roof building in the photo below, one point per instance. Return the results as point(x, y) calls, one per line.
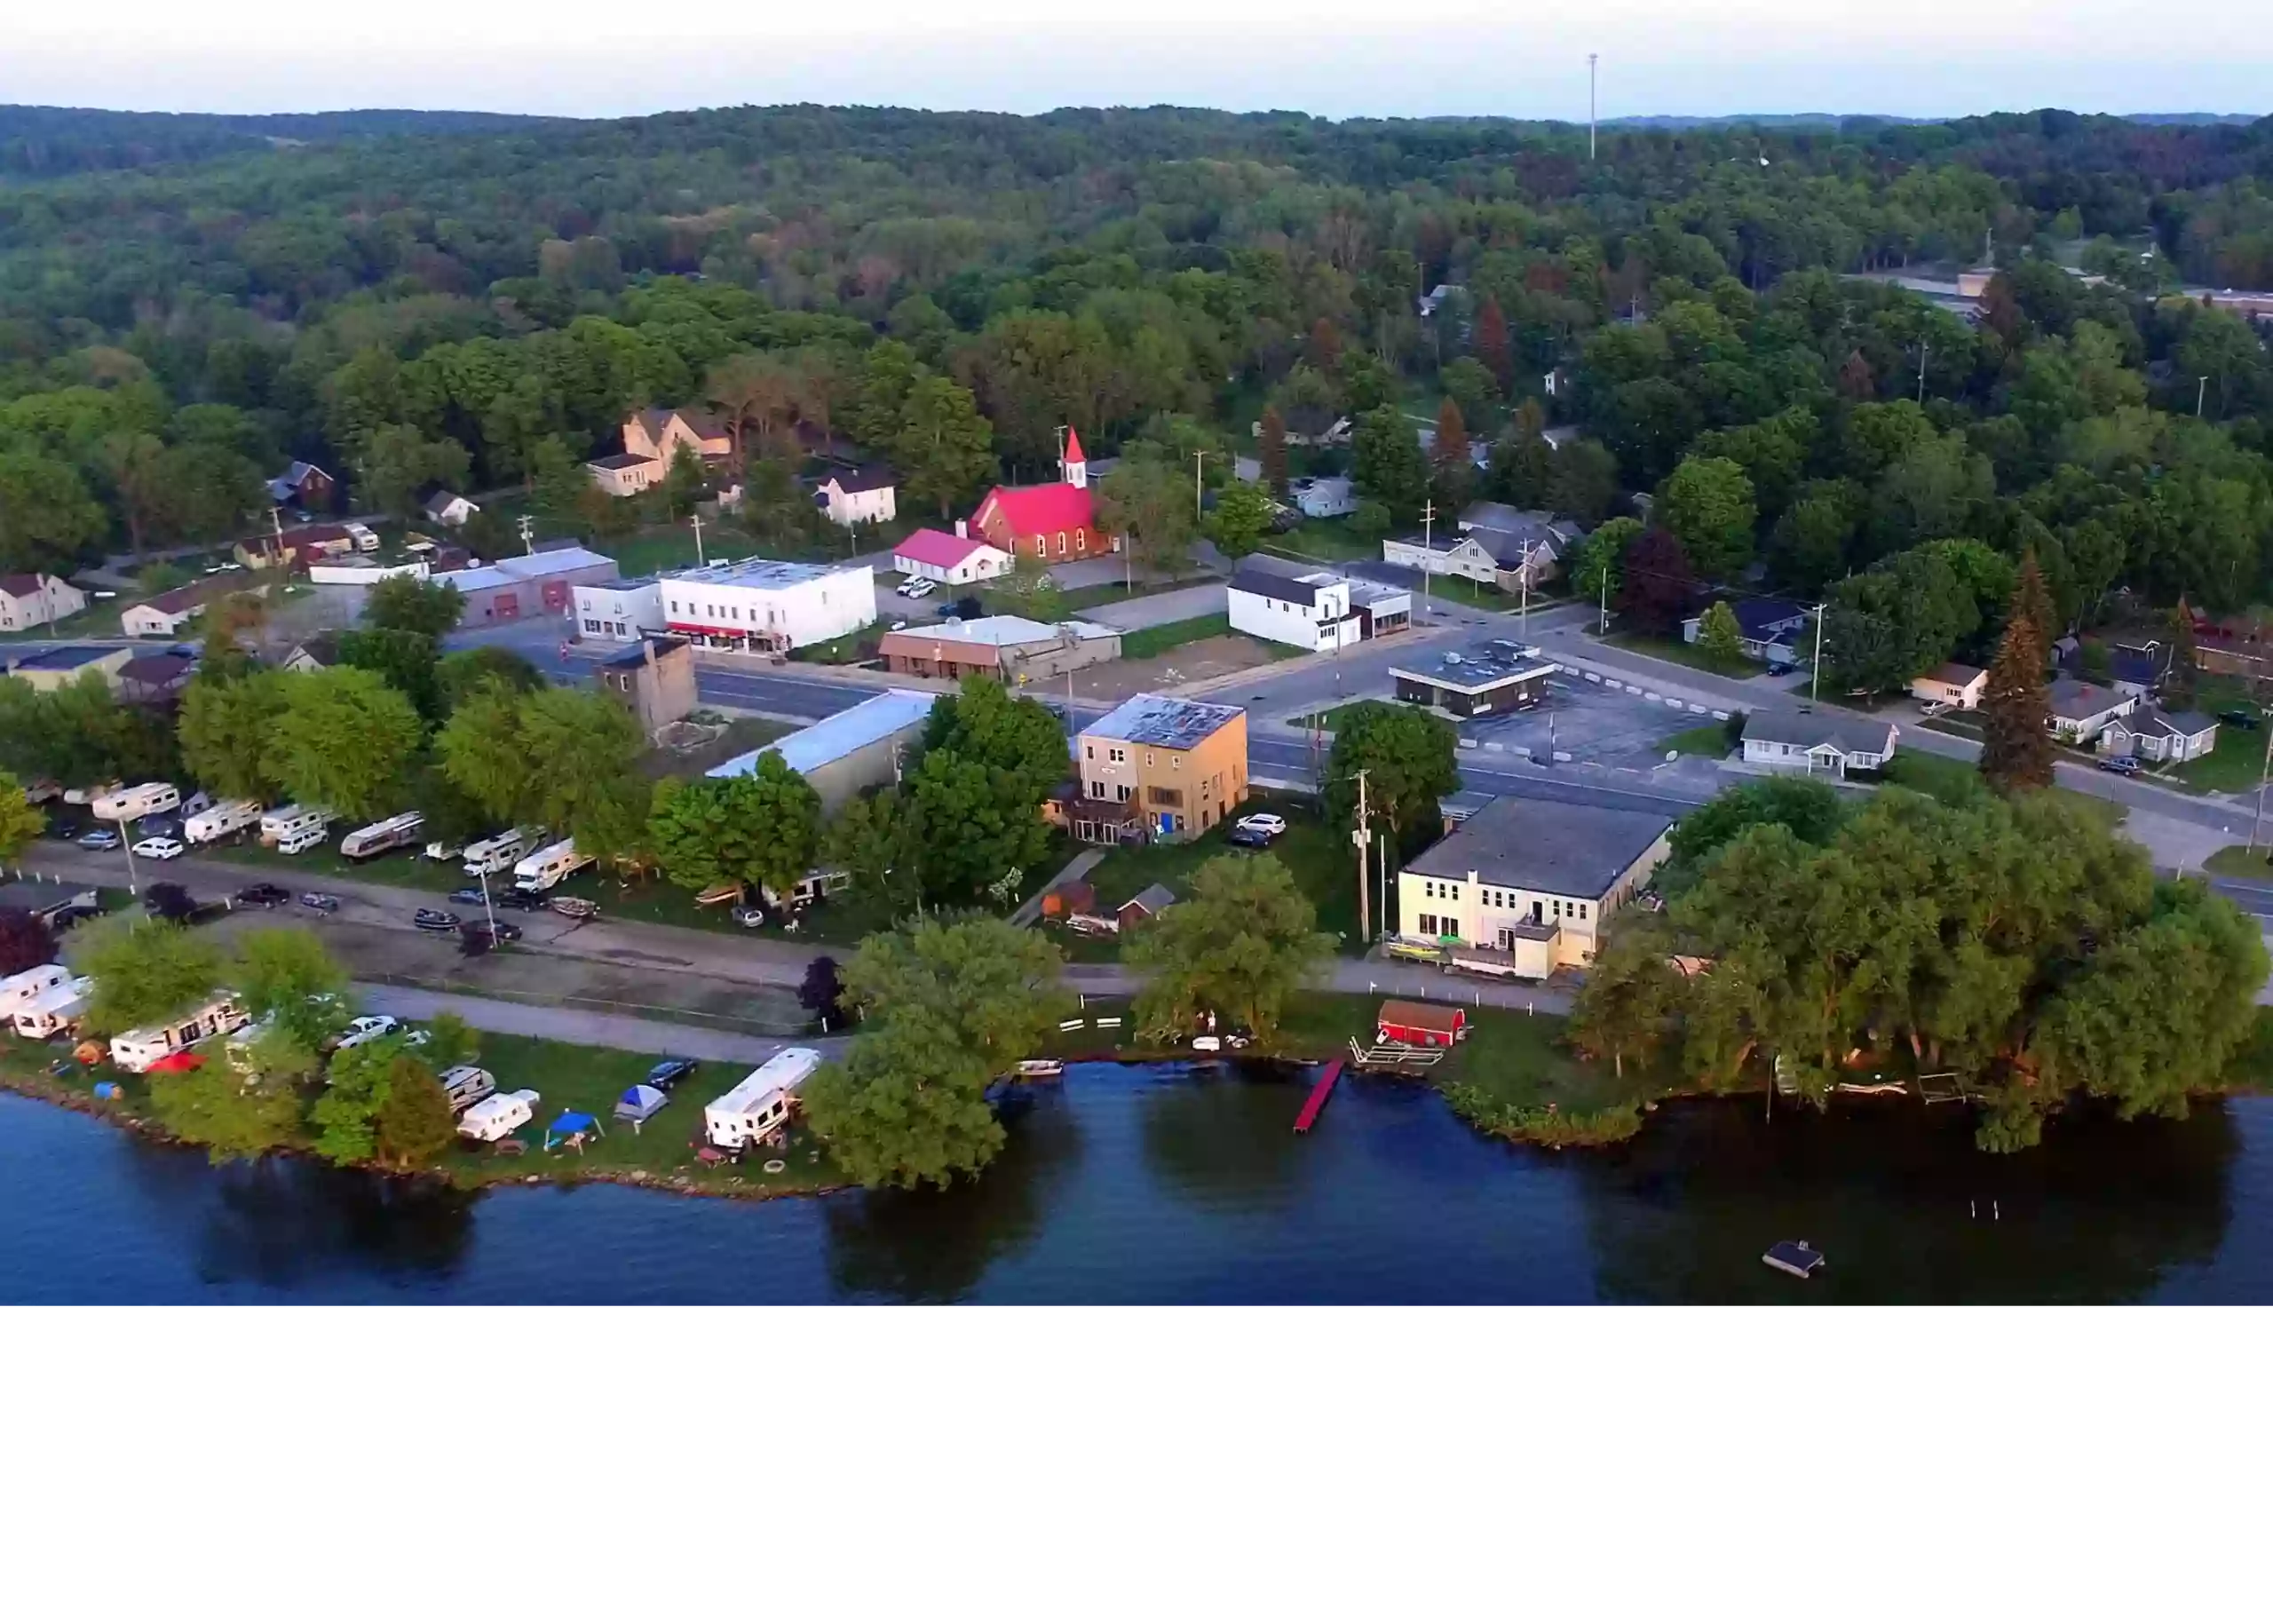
point(1490, 677)
point(1156, 767)
point(767, 605)
point(1004, 646)
point(855, 750)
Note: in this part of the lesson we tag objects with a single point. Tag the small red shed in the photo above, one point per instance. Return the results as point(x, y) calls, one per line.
point(1423, 1025)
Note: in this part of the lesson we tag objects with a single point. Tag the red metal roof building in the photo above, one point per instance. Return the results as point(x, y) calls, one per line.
point(1051, 522)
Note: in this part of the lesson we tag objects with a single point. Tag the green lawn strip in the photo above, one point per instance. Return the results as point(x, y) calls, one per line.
point(1960, 782)
point(1329, 540)
point(1710, 740)
point(2233, 766)
point(1329, 720)
point(1149, 640)
point(853, 648)
point(1678, 653)
point(403, 867)
point(2239, 862)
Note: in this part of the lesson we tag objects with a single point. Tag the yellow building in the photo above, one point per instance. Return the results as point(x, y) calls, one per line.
point(1158, 767)
point(1522, 888)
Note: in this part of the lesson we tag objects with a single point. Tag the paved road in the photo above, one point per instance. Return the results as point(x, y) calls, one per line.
point(647, 1037)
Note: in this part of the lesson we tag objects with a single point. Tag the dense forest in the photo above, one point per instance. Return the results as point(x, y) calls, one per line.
point(185, 304)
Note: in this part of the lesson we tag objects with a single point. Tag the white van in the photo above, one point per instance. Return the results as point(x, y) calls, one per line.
point(288, 822)
point(403, 829)
point(55, 1012)
point(306, 840)
point(543, 870)
point(143, 1047)
point(220, 823)
point(467, 1086)
point(28, 987)
point(141, 801)
point(499, 852)
point(498, 1115)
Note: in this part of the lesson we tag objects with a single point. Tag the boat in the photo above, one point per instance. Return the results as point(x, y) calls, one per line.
point(1036, 1071)
point(1796, 1257)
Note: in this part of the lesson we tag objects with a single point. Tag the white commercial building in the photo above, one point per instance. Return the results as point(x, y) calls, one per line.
point(766, 605)
point(620, 611)
point(1313, 609)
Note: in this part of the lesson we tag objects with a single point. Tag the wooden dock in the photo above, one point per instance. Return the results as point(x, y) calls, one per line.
point(1319, 1093)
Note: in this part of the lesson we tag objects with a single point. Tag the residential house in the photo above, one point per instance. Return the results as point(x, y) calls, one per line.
point(527, 584)
point(54, 668)
point(2139, 669)
point(1146, 904)
point(1050, 522)
point(862, 495)
point(40, 599)
point(625, 473)
point(1157, 767)
point(304, 486)
point(1495, 544)
point(1951, 685)
point(853, 750)
point(951, 561)
point(1765, 627)
point(1560, 436)
point(1331, 497)
point(1488, 677)
point(766, 606)
point(1009, 647)
point(1522, 888)
point(2080, 712)
point(317, 652)
point(619, 611)
point(1795, 739)
point(1432, 301)
point(446, 507)
point(651, 439)
point(2150, 733)
point(654, 679)
point(155, 678)
point(164, 615)
point(1311, 426)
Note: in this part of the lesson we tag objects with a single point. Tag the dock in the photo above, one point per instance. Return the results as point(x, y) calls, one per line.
point(1319, 1093)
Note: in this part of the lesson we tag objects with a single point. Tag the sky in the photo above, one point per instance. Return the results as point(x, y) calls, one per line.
point(1335, 58)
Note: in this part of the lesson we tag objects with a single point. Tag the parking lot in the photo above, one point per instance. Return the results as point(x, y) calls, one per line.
point(1586, 723)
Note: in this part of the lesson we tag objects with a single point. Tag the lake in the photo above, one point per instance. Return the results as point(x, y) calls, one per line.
point(1185, 1183)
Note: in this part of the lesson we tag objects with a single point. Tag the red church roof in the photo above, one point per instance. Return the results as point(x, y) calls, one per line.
point(1073, 447)
point(1038, 510)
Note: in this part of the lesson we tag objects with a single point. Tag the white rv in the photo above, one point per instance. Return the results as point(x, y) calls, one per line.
point(56, 1011)
point(89, 796)
point(499, 852)
point(498, 1115)
point(821, 883)
point(294, 823)
point(143, 1047)
point(467, 1086)
point(28, 987)
point(760, 1104)
point(385, 836)
point(543, 870)
point(141, 801)
point(220, 823)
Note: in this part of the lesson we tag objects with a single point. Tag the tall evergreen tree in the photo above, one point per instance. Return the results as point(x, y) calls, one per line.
point(2179, 681)
point(2016, 749)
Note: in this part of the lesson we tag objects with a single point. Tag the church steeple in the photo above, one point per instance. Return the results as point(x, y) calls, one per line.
point(1073, 466)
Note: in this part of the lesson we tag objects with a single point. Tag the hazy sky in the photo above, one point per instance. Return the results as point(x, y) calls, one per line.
point(1339, 58)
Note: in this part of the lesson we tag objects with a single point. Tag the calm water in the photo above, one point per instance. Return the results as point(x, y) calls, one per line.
point(1185, 1183)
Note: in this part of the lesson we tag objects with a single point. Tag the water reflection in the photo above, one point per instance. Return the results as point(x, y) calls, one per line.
point(1224, 1139)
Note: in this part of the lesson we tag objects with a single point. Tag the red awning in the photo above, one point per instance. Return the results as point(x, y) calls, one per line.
point(180, 1060)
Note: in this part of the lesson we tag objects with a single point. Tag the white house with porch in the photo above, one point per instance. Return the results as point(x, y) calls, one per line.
point(1811, 742)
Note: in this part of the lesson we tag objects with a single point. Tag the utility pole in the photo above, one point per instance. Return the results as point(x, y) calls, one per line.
point(1815, 673)
point(1602, 630)
point(1429, 547)
point(1361, 837)
point(698, 558)
point(2263, 773)
point(528, 534)
point(1590, 107)
point(1922, 348)
point(1199, 467)
point(1522, 604)
point(2201, 392)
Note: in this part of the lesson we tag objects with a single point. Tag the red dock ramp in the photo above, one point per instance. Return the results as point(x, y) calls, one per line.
point(1319, 1092)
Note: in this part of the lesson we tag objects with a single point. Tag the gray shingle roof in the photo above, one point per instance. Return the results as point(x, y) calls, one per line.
point(1532, 845)
point(1810, 729)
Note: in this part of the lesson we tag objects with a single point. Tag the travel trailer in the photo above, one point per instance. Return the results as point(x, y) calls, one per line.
point(543, 870)
point(498, 1115)
point(291, 822)
point(139, 802)
point(221, 821)
point(28, 987)
point(385, 836)
point(144, 1047)
point(499, 852)
point(55, 1012)
point(821, 883)
point(467, 1086)
point(760, 1104)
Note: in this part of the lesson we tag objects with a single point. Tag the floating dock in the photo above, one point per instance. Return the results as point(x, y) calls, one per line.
point(1796, 1257)
point(1319, 1094)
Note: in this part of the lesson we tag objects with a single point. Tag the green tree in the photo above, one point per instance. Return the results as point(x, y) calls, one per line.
point(762, 828)
point(1598, 567)
point(47, 520)
point(2179, 683)
point(1631, 999)
point(1238, 949)
point(1410, 760)
point(1149, 506)
point(878, 839)
point(2016, 705)
point(1270, 450)
point(21, 822)
point(1720, 638)
point(289, 979)
point(1810, 810)
point(406, 660)
point(460, 672)
point(224, 729)
point(396, 459)
point(942, 446)
point(233, 1118)
point(1386, 463)
point(343, 741)
point(414, 1125)
point(356, 1086)
point(583, 751)
point(144, 970)
point(1707, 505)
point(1241, 519)
point(406, 603)
point(1452, 474)
point(483, 754)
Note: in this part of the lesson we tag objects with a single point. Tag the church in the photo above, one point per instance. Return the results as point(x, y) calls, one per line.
point(1050, 522)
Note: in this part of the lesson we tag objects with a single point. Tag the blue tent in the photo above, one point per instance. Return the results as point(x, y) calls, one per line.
point(568, 1124)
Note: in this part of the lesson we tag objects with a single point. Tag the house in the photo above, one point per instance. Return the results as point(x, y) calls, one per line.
point(951, 561)
point(766, 606)
point(1522, 888)
point(29, 600)
point(1007, 646)
point(2139, 671)
point(1421, 1025)
point(318, 652)
point(1300, 605)
point(855, 750)
point(303, 485)
point(654, 679)
point(2153, 734)
point(626, 474)
point(445, 507)
point(2080, 712)
point(1795, 739)
point(1158, 766)
point(1145, 905)
point(155, 678)
point(531, 584)
point(164, 615)
point(651, 439)
point(1331, 497)
point(1432, 301)
point(1311, 426)
point(54, 668)
point(1051, 522)
point(1764, 627)
point(1951, 685)
point(863, 495)
point(1489, 677)
point(1559, 437)
point(1496, 544)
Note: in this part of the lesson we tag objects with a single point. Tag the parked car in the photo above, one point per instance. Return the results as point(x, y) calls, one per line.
point(159, 848)
point(579, 909)
point(365, 1029)
point(64, 918)
point(667, 1072)
point(65, 829)
point(918, 586)
point(2248, 721)
point(436, 919)
point(2126, 766)
point(262, 896)
point(749, 916)
point(100, 840)
point(472, 896)
point(1264, 823)
point(322, 901)
point(526, 902)
point(1254, 838)
point(504, 930)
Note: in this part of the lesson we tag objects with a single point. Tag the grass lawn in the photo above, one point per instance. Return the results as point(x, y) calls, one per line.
point(1679, 653)
point(2234, 766)
point(1334, 541)
point(1710, 740)
point(1329, 720)
point(853, 648)
point(1957, 783)
point(2241, 863)
point(1149, 640)
point(405, 867)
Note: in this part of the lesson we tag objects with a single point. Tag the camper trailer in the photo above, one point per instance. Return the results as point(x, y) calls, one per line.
point(293, 824)
point(386, 835)
point(467, 1086)
point(498, 1115)
point(543, 870)
point(499, 852)
point(144, 1047)
point(821, 883)
point(139, 802)
point(760, 1104)
point(27, 987)
point(55, 1012)
point(220, 823)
